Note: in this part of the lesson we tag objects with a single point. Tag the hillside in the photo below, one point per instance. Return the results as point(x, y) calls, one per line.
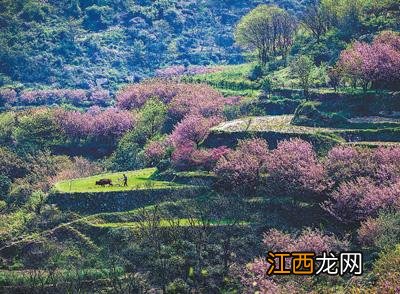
point(184, 147)
point(91, 44)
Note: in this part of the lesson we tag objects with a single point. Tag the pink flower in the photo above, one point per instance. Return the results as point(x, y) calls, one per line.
point(378, 62)
point(293, 167)
point(96, 123)
point(240, 169)
point(193, 129)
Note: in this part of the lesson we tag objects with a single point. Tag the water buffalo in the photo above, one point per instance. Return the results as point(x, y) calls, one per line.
point(104, 182)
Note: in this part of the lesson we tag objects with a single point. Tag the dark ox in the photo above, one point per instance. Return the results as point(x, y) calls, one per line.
point(104, 182)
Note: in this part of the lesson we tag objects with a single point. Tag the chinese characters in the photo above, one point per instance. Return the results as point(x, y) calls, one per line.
point(307, 263)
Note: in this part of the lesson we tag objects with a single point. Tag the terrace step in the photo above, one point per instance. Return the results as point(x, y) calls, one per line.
point(373, 144)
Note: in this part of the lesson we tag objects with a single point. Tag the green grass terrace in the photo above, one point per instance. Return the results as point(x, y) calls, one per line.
point(137, 180)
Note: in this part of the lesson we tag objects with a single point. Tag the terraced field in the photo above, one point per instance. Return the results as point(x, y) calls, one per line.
point(169, 223)
point(279, 123)
point(137, 180)
point(276, 128)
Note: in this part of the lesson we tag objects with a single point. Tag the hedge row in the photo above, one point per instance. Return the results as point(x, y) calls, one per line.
point(115, 201)
point(321, 141)
point(335, 111)
point(383, 135)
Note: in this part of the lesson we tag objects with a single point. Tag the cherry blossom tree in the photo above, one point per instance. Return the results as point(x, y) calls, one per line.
point(293, 167)
point(349, 163)
point(357, 200)
point(182, 99)
point(193, 129)
point(95, 123)
point(7, 96)
point(240, 169)
point(376, 64)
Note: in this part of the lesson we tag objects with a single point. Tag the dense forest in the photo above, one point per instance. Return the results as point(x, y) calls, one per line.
point(183, 146)
point(92, 44)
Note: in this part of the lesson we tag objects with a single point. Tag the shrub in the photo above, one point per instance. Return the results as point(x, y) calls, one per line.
point(256, 72)
point(11, 165)
point(177, 286)
point(98, 17)
point(308, 240)
point(382, 232)
point(128, 154)
point(78, 168)
point(308, 114)
point(293, 168)
point(37, 129)
point(19, 193)
point(357, 200)
point(334, 76)
point(387, 269)
point(5, 184)
point(7, 96)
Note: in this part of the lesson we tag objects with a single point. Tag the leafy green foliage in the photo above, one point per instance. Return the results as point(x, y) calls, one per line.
point(86, 44)
point(268, 30)
point(302, 68)
point(36, 131)
point(151, 123)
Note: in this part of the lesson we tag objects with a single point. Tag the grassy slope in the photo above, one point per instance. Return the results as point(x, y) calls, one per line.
point(140, 179)
point(232, 80)
point(280, 123)
point(168, 223)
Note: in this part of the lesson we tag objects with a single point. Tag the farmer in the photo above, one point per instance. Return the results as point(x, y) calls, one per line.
point(125, 180)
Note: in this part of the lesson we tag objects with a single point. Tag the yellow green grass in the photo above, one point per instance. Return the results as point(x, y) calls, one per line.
point(231, 80)
point(137, 180)
point(168, 223)
point(278, 123)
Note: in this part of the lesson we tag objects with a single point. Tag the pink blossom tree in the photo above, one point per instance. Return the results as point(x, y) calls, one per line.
point(7, 96)
point(349, 163)
point(136, 95)
point(182, 99)
point(357, 200)
point(106, 124)
point(377, 63)
point(186, 139)
point(345, 163)
point(293, 168)
point(381, 232)
point(155, 151)
point(240, 169)
point(193, 129)
point(187, 156)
